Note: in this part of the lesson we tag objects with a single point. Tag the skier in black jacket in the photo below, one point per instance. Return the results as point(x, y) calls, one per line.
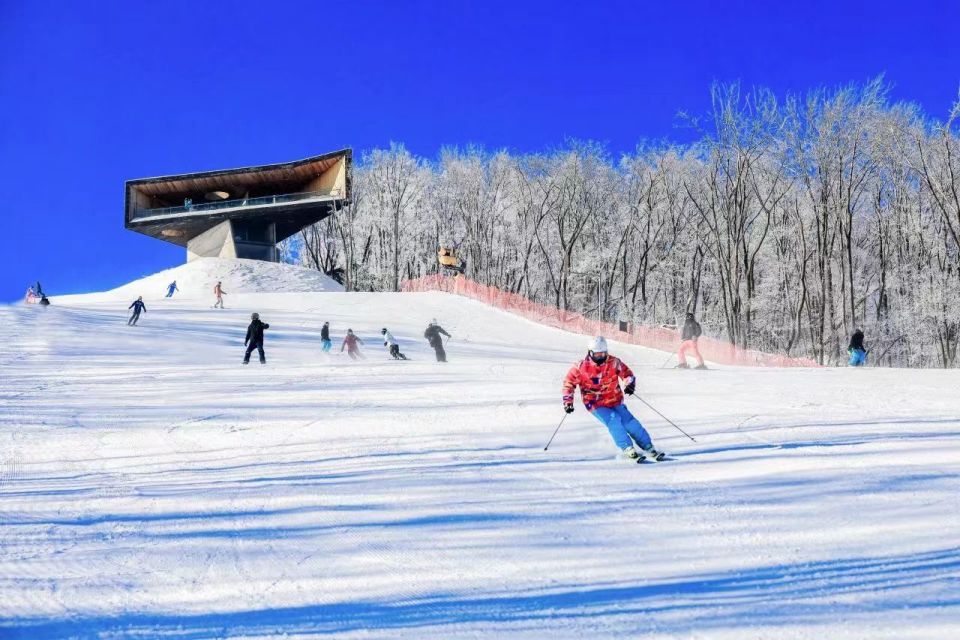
point(688, 342)
point(254, 339)
point(325, 338)
point(432, 334)
point(137, 307)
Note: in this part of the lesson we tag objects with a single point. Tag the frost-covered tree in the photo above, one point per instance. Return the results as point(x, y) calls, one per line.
point(785, 226)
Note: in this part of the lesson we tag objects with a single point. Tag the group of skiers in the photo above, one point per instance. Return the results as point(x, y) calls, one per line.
point(598, 375)
point(351, 342)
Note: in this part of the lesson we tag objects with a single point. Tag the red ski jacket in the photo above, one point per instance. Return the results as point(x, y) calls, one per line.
point(599, 383)
point(350, 342)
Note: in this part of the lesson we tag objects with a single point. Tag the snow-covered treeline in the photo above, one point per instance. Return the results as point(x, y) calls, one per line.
point(785, 226)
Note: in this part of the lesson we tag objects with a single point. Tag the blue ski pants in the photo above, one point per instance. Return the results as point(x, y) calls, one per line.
point(623, 426)
point(858, 357)
point(326, 345)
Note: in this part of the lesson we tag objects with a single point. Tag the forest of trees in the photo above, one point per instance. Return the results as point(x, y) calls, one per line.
point(785, 226)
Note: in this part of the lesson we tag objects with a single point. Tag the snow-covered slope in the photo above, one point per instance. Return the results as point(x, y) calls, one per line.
point(151, 485)
point(196, 280)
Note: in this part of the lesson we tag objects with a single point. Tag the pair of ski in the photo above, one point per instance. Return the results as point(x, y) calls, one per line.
point(645, 457)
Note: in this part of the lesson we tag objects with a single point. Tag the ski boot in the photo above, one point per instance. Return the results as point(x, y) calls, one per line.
point(632, 455)
point(701, 366)
point(683, 365)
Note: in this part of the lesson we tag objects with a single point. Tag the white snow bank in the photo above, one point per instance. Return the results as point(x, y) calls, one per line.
point(196, 279)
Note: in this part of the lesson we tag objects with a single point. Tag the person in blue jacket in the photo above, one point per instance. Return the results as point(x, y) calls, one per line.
point(171, 288)
point(137, 307)
point(856, 351)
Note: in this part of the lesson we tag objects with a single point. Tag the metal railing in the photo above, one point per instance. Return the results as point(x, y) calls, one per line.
point(204, 207)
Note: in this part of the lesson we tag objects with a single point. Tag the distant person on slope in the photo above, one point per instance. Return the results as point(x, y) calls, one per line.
point(598, 376)
point(350, 343)
point(691, 333)
point(392, 345)
point(30, 296)
point(432, 334)
point(856, 351)
point(137, 307)
point(325, 342)
point(171, 288)
point(219, 292)
point(254, 339)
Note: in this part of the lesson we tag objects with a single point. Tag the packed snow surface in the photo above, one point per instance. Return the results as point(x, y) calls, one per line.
point(197, 279)
point(151, 485)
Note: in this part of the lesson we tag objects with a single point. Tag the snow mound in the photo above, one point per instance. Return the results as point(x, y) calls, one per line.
point(197, 279)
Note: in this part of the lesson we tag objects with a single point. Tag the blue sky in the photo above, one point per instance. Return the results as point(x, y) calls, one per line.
point(92, 94)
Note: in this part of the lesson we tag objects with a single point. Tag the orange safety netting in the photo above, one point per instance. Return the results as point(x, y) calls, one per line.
point(661, 338)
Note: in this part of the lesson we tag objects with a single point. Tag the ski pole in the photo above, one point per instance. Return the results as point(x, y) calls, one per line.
point(666, 418)
point(556, 430)
point(669, 357)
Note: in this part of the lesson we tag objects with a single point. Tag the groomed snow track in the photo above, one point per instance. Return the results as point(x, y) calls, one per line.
point(151, 486)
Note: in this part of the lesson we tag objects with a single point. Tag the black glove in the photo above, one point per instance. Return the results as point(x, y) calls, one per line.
point(630, 388)
point(568, 407)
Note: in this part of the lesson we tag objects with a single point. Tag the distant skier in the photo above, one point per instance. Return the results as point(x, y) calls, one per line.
point(219, 292)
point(432, 334)
point(350, 343)
point(691, 333)
point(392, 345)
point(137, 307)
point(254, 339)
point(171, 288)
point(856, 351)
point(598, 376)
point(325, 342)
point(31, 295)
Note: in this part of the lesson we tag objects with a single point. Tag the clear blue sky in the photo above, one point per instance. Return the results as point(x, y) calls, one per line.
point(94, 93)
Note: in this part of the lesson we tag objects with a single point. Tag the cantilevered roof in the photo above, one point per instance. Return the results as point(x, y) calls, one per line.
point(283, 173)
point(294, 195)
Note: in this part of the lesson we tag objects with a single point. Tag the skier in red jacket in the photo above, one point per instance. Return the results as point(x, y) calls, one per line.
point(598, 376)
point(350, 343)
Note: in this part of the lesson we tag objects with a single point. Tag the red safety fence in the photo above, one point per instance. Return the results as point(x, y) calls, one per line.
point(662, 338)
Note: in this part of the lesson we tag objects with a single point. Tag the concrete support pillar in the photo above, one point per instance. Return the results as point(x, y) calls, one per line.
point(213, 243)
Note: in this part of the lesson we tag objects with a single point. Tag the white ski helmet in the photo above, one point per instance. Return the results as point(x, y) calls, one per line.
point(598, 344)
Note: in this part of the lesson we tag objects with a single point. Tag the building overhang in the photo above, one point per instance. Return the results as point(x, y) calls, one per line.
point(291, 195)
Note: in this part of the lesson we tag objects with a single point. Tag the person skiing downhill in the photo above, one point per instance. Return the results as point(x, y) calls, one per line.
point(219, 292)
point(171, 288)
point(350, 343)
point(432, 334)
point(856, 351)
point(254, 339)
point(691, 333)
point(137, 307)
point(325, 338)
point(392, 345)
point(598, 375)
